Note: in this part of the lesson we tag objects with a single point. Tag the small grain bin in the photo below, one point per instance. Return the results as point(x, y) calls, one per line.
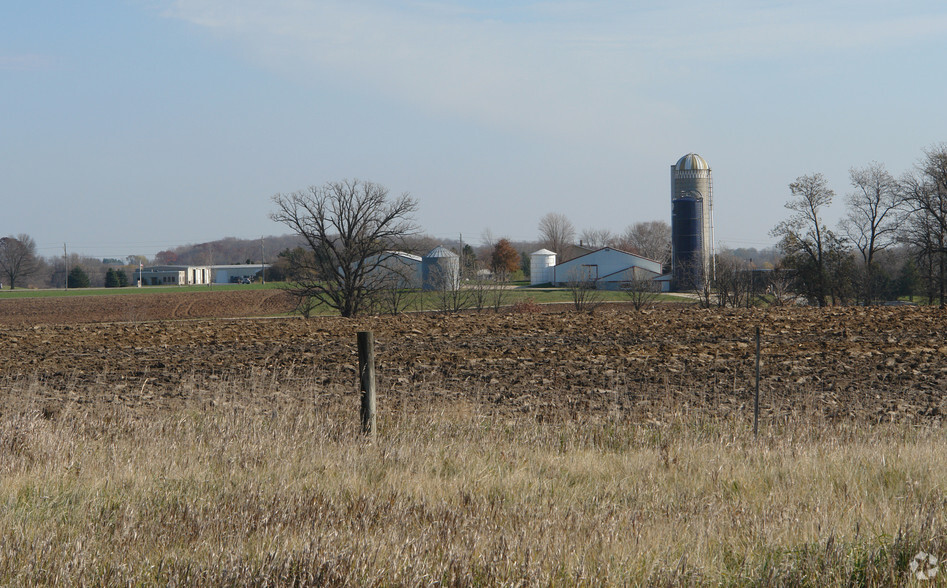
point(540, 266)
point(440, 269)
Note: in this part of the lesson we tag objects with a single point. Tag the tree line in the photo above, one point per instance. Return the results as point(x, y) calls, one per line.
point(890, 244)
point(21, 266)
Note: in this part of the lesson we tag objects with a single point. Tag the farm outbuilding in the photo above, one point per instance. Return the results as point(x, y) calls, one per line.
point(236, 274)
point(173, 275)
point(395, 269)
point(607, 268)
point(540, 266)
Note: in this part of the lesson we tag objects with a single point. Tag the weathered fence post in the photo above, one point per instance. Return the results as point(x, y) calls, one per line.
point(756, 396)
point(366, 373)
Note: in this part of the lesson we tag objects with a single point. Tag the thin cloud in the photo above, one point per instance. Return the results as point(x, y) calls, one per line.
point(516, 74)
point(551, 67)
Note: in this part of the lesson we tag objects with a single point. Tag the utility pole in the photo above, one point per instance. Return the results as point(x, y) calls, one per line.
point(262, 262)
point(65, 264)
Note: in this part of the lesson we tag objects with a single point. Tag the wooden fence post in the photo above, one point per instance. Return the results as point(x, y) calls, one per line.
point(366, 372)
point(756, 396)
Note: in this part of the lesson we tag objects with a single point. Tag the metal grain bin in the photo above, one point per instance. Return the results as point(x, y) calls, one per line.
point(440, 269)
point(540, 263)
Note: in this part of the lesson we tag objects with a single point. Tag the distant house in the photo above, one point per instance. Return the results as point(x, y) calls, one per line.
point(173, 275)
point(607, 268)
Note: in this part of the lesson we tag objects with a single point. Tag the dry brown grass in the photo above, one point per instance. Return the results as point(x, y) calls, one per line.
point(237, 493)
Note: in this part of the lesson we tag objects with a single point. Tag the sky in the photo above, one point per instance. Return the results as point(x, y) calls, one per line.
point(132, 126)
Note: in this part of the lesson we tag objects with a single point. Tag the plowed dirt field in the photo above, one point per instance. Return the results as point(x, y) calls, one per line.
point(860, 364)
point(148, 306)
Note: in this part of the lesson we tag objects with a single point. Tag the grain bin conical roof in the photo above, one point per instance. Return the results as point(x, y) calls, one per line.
point(440, 251)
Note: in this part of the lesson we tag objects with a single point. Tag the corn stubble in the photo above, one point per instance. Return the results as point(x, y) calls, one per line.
point(237, 493)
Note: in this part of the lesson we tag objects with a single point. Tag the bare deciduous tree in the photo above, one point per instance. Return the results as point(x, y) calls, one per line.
point(642, 292)
point(728, 282)
point(651, 239)
point(803, 234)
point(449, 296)
point(557, 234)
point(18, 258)
point(581, 284)
point(733, 283)
point(393, 287)
point(692, 278)
point(349, 227)
point(780, 285)
point(479, 287)
point(597, 238)
point(872, 219)
point(923, 235)
point(924, 193)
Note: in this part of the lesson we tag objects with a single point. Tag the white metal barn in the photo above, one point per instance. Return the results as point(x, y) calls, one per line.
point(235, 274)
point(395, 269)
point(173, 275)
point(607, 268)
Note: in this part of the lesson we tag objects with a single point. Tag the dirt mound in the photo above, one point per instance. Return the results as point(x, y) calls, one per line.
point(144, 306)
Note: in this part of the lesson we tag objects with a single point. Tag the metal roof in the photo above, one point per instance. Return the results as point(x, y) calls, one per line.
point(691, 161)
point(440, 251)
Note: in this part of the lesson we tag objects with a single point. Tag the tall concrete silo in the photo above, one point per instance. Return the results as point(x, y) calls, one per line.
point(440, 269)
point(692, 229)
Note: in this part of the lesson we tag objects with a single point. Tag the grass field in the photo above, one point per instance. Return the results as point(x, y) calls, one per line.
point(238, 494)
point(414, 300)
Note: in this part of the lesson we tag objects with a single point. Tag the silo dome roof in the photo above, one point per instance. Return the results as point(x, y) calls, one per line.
point(691, 161)
point(440, 251)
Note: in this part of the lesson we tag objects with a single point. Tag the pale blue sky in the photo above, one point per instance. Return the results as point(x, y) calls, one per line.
point(131, 126)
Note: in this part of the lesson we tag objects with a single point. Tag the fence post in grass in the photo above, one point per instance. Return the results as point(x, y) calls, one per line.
point(366, 373)
point(756, 396)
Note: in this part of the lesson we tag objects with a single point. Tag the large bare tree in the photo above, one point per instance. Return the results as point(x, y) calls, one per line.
point(350, 227)
point(651, 239)
point(18, 258)
point(924, 192)
point(872, 219)
point(804, 237)
point(557, 234)
point(923, 235)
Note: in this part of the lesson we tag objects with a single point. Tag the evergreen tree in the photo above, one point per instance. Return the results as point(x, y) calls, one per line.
point(77, 278)
point(111, 279)
point(122, 278)
point(909, 279)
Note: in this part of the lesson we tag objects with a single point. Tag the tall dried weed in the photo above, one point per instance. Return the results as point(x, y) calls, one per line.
point(284, 490)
